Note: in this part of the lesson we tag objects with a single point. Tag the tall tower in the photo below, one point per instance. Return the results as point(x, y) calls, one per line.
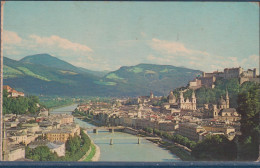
point(151, 95)
point(193, 100)
point(171, 98)
point(227, 99)
point(181, 99)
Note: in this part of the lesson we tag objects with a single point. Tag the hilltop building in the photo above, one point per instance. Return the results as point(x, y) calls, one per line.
point(12, 92)
point(208, 79)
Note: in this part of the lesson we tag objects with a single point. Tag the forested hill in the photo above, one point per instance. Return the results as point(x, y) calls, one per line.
point(46, 75)
point(144, 78)
point(209, 95)
point(50, 61)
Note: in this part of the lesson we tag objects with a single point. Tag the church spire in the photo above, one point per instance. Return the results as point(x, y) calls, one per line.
point(227, 94)
point(227, 99)
point(193, 95)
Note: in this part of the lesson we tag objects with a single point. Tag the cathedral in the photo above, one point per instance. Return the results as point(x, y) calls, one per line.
point(188, 104)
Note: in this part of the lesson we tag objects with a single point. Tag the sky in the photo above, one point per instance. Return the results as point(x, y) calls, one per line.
point(206, 36)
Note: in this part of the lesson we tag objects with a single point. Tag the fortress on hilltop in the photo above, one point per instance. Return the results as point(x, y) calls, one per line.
point(208, 79)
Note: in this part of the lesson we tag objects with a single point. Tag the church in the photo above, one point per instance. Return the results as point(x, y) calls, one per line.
point(189, 104)
point(221, 111)
point(175, 105)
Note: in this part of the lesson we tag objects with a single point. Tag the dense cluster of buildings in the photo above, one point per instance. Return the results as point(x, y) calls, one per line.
point(36, 130)
point(177, 116)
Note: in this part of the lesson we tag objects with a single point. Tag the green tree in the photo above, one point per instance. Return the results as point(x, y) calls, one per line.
point(40, 153)
point(215, 148)
point(249, 107)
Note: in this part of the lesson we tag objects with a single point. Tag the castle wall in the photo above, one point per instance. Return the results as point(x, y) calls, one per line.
point(232, 72)
point(208, 81)
point(244, 79)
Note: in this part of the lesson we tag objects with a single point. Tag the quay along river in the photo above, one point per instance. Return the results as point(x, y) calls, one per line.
point(125, 146)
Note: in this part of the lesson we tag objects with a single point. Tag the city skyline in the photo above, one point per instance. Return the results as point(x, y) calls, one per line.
point(108, 35)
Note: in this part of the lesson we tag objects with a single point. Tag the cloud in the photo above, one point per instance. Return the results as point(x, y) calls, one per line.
point(177, 54)
point(233, 58)
point(60, 43)
point(10, 37)
point(254, 57)
point(16, 47)
point(171, 47)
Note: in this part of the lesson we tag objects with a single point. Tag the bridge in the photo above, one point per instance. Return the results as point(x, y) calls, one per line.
point(138, 139)
point(111, 129)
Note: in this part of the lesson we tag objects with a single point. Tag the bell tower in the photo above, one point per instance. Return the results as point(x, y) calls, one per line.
point(193, 100)
point(227, 99)
point(181, 99)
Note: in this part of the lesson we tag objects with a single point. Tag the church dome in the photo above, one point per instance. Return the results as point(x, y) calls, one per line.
point(171, 96)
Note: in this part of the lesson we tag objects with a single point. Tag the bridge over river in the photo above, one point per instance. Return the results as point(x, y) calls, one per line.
point(111, 129)
point(111, 140)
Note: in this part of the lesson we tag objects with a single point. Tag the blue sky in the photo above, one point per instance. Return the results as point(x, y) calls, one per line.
point(107, 35)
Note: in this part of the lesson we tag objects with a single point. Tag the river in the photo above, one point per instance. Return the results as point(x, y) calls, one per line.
point(125, 146)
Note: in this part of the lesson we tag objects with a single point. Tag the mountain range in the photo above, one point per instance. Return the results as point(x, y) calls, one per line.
point(43, 74)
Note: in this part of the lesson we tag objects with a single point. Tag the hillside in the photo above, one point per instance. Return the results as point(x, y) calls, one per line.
point(50, 61)
point(144, 78)
point(39, 79)
point(52, 76)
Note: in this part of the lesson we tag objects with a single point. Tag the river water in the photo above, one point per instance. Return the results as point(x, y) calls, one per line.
point(125, 146)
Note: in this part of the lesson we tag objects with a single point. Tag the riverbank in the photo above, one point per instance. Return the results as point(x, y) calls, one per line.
point(177, 150)
point(174, 148)
point(97, 154)
point(93, 154)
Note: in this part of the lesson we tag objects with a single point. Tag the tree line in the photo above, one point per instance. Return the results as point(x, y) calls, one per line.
point(19, 105)
point(212, 95)
point(76, 148)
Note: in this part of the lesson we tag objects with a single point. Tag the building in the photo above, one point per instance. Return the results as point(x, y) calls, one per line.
point(58, 147)
point(171, 107)
point(221, 111)
point(190, 130)
point(188, 104)
point(208, 79)
point(174, 107)
point(62, 134)
point(11, 92)
point(195, 84)
point(13, 153)
point(215, 128)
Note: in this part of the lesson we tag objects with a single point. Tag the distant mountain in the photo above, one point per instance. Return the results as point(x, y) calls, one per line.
point(47, 75)
point(40, 79)
point(50, 61)
point(144, 78)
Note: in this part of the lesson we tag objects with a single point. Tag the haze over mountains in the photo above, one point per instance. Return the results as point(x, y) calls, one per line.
point(47, 75)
